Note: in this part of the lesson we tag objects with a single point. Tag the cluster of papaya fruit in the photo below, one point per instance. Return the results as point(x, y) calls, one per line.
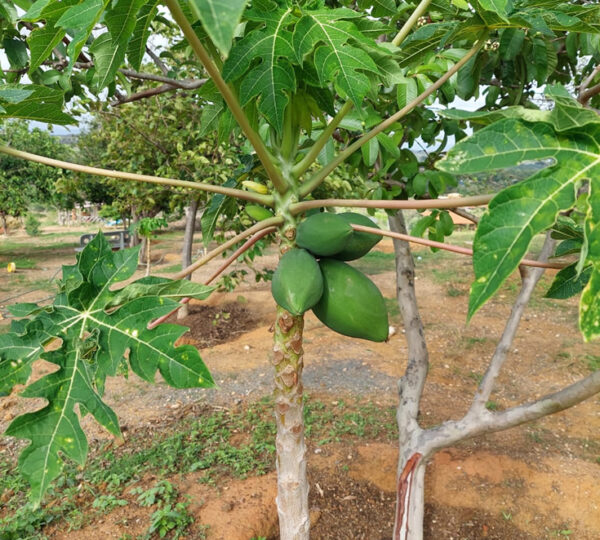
point(315, 276)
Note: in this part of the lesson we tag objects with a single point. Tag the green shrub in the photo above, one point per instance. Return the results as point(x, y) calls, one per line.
point(32, 225)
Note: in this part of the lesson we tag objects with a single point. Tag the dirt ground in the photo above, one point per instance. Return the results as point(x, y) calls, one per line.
point(537, 481)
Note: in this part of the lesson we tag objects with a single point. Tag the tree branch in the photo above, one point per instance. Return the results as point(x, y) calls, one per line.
point(410, 386)
point(465, 214)
point(185, 84)
point(470, 426)
point(318, 177)
point(530, 280)
point(157, 61)
point(585, 84)
point(230, 192)
point(154, 92)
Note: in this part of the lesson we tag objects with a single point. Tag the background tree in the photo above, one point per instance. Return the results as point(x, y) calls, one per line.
point(24, 183)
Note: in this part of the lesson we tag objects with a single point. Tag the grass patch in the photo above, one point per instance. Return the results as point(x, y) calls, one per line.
point(219, 443)
point(393, 308)
point(170, 269)
point(375, 262)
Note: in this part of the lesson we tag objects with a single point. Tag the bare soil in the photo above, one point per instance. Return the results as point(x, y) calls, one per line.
point(537, 481)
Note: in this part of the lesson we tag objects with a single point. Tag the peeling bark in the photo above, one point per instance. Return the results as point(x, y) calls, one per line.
point(292, 483)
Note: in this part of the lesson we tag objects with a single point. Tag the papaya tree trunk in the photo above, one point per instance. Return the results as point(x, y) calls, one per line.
point(188, 242)
point(292, 483)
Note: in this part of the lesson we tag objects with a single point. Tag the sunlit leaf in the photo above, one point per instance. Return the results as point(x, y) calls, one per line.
point(99, 328)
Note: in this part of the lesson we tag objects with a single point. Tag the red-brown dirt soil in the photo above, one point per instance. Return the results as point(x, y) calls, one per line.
point(536, 481)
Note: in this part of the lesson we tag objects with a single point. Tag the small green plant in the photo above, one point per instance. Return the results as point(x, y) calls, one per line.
point(454, 292)
point(593, 362)
point(174, 519)
point(506, 515)
point(32, 225)
point(105, 503)
point(162, 492)
point(492, 406)
point(146, 227)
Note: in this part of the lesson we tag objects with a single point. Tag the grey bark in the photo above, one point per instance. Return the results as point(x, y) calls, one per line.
point(410, 502)
point(186, 250)
point(418, 445)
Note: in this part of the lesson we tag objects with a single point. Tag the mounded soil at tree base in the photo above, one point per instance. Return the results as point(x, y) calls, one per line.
point(536, 481)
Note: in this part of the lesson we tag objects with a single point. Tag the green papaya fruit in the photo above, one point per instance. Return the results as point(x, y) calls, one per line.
point(258, 213)
point(323, 234)
point(359, 243)
point(297, 282)
point(351, 304)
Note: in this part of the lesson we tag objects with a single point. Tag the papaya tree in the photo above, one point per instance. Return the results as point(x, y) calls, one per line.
point(289, 76)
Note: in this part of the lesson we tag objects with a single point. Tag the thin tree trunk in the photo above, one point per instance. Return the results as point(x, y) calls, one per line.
point(4, 224)
point(411, 465)
point(292, 483)
point(148, 260)
point(186, 251)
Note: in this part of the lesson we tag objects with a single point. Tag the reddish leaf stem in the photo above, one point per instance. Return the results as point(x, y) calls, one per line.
point(247, 245)
point(447, 247)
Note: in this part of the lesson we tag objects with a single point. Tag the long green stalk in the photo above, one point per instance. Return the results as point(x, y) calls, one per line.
point(411, 204)
point(302, 166)
point(228, 95)
point(316, 180)
point(267, 200)
point(411, 21)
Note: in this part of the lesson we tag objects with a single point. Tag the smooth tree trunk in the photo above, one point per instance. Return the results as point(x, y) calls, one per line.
point(292, 483)
point(418, 445)
point(148, 259)
point(410, 502)
point(4, 224)
point(186, 250)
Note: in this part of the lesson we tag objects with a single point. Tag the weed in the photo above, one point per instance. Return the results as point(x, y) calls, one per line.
point(506, 515)
point(172, 518)
point(492, 406)
point(106, 503)
point(454, 292)
point(162, 492)
point(593, 362)
point(477, 377)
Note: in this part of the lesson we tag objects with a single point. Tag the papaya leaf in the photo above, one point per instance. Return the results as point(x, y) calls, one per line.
point(339, 54)
point(568, 282)
point(589, 307)
point(41, 104)
point(109, 49)
point(523, 210)
point(501, 7)
point(79, 20)
point(219, 19)
point(137, 45)
point(269, 80)
point(99, 328)
point(43, 39)
point(211, 215)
